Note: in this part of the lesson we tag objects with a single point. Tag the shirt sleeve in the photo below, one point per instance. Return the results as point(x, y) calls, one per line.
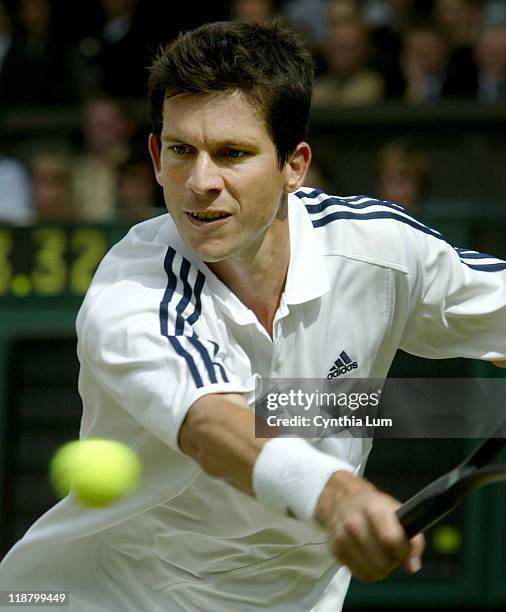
point(457, 299)
point(134, 351)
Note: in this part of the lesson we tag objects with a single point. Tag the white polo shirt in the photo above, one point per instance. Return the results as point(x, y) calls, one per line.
point(157, 330)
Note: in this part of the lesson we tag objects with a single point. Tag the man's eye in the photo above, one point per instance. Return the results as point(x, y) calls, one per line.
point(179, 149)
point(234, 153)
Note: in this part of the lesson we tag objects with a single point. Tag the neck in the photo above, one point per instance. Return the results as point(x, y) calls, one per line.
point(257, 277)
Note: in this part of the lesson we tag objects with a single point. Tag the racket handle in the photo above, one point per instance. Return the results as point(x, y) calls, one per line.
point(418, 514)
point(411, 521)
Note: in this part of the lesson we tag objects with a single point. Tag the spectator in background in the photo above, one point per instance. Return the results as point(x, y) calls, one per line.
point(378, 13)
point(423, 62)
point(115, 57)
point(313, 19)
point(5, 37)
point(252, 11)
point(495, 12)
point(402, 174)
point(314, 16)
point(388, 20)
point(138, 192)
point(348, 79)
point(341, 10)
point(490, 56)
point(52, 194)
point(459, 23)
point(108, 129)
point(309, 17)
point(459, 20)
point(14, 190)
point(427, 70)
point(36, 70)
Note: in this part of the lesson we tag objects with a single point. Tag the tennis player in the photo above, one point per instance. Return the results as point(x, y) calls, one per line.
point(249, 276)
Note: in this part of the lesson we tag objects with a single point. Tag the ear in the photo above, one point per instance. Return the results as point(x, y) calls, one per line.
point(154, 152)
point(296, 167)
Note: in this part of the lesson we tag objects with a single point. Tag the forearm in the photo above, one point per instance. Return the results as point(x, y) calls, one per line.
point(290, 474)
point(285, 474)
point(219, 433)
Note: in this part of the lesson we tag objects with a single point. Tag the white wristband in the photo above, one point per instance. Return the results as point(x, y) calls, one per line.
point(289, 475)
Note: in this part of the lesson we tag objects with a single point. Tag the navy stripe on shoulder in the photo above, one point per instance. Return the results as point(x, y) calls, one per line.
point(169, 290)
point(359, 203)
point(386, 210)
point(185, 300)
point(199, 283)
point(314, 193)
point(176, 344)
point(177, 338)
point(466, 254)
point(351, 202)
point(493, 267)
point(194, 340)
point(379, 214)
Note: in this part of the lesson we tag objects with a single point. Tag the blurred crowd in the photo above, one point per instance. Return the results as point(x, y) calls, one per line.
point(92, 54)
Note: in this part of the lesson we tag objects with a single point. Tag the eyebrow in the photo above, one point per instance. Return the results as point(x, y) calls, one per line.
point(238, 143)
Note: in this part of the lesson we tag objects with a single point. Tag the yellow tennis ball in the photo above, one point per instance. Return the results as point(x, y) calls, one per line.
point(99, 472)
point(447, 539)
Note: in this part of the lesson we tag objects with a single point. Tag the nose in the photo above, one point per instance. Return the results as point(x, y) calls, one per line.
point(204, 176)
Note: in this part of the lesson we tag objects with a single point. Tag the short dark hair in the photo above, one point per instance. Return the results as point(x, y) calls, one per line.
point(269, 63)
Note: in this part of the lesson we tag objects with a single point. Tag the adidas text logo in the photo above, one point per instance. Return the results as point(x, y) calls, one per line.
point(341, 366)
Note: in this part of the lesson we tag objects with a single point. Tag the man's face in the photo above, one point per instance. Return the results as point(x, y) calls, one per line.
point(346, 48)
point(491, 52)
point(424, 51)
point(218, 169)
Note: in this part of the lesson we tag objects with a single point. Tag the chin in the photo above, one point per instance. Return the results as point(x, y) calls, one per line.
point(209, 253)
point(210, 258)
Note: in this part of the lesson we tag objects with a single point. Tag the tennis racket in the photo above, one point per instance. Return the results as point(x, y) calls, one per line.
point(440, 497)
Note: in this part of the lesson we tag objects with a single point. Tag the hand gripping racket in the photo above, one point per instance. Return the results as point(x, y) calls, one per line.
point(440, 497)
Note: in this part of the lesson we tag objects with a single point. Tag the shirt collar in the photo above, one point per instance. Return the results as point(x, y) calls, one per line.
point(307, 277)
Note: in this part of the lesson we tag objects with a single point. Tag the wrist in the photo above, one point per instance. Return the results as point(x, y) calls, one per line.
point(289, 475)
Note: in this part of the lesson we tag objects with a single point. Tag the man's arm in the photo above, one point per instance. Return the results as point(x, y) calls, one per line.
point(219, 433)
point(364, 533)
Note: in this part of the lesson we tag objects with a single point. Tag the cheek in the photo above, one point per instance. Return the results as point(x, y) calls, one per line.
point(263, 208)
point(171, 197)
point(172, 177)
point(258, 181)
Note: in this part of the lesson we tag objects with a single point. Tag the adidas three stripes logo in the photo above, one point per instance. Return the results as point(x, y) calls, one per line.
point(342, 365)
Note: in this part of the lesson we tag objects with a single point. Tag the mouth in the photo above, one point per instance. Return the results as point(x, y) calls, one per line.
point(208, 217)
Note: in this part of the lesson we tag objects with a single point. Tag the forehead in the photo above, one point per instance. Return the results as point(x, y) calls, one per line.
point(217, 116)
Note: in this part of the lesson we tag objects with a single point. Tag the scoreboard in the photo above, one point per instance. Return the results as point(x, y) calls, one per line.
point(51, 261)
